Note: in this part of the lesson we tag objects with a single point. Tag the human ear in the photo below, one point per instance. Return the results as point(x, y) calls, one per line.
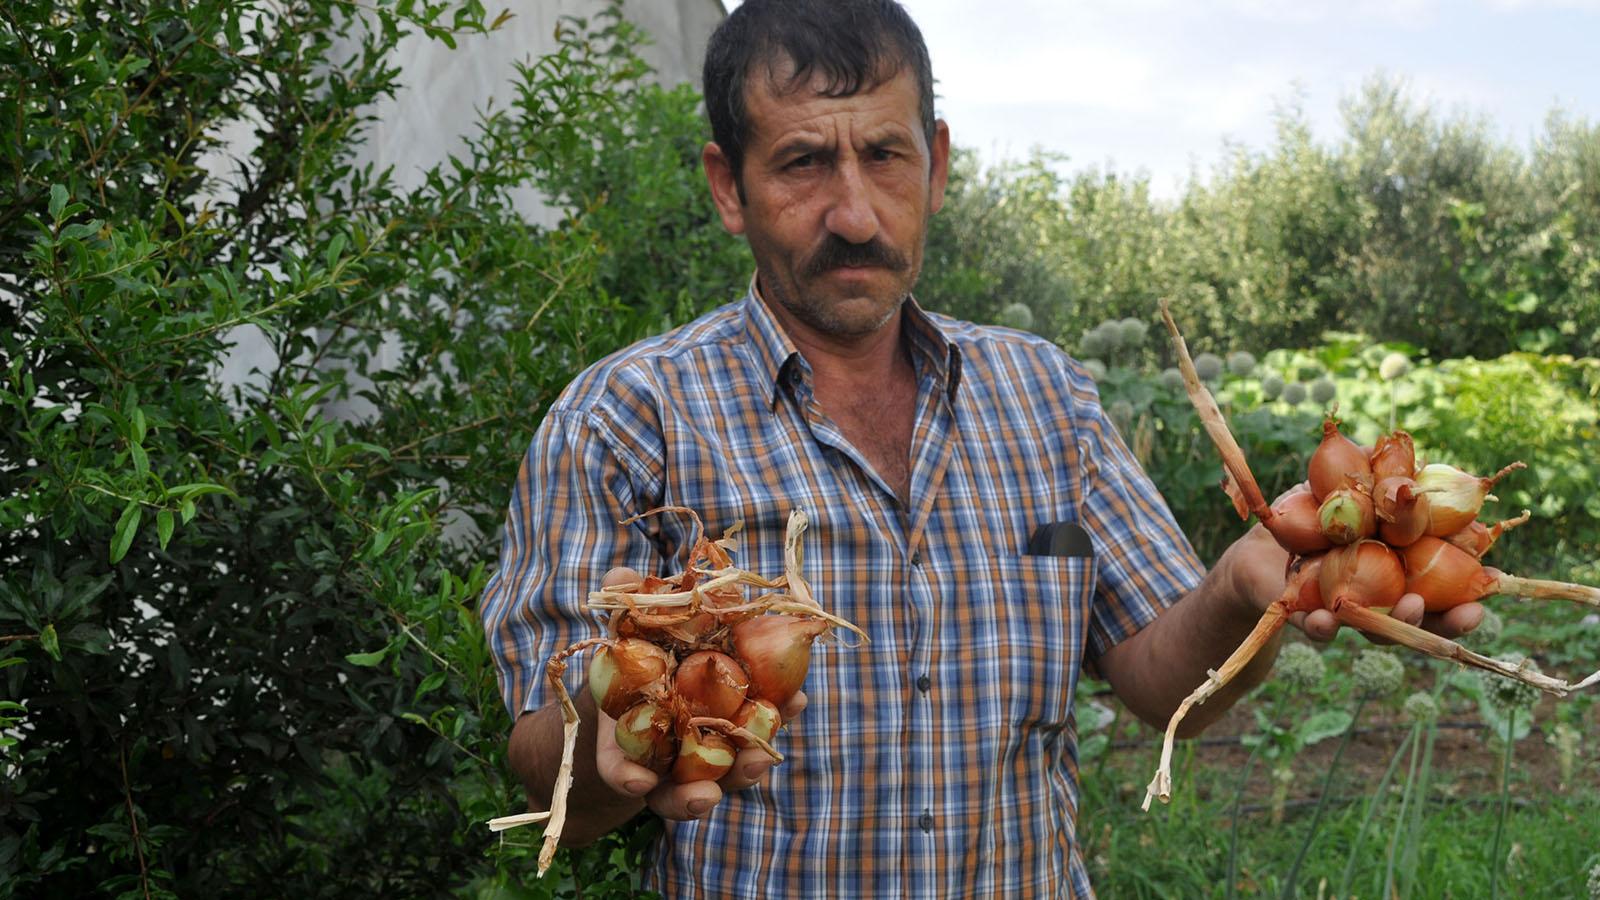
point(939, 170)
point(724, 187)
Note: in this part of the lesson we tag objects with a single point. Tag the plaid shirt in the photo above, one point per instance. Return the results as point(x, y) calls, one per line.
point(939, 760)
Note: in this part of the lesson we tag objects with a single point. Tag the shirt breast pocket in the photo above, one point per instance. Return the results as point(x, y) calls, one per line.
point(1041, 623)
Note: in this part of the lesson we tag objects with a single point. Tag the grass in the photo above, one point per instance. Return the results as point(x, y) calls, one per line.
point(1185, 855)
point(1454, 808)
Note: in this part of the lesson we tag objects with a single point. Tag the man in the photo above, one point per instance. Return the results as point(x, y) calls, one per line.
point(940, 759)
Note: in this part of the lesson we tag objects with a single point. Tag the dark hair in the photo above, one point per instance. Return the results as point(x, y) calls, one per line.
point(854, 44)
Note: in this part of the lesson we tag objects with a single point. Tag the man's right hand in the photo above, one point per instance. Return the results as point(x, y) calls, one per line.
point(666, 798)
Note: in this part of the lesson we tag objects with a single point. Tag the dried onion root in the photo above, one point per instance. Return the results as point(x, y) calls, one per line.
point(1377, 562)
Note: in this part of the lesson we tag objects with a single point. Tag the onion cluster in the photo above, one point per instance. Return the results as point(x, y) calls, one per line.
point(683, 708)
point(1376, 525)
point(694, 671)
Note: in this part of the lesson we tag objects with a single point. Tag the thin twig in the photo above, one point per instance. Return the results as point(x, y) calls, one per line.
point(133, 821)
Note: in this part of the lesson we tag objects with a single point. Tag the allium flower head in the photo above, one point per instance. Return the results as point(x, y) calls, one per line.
point(1421, 707)
point(1122, 414)
point(1507, 694)
point(1323, 391)
point(1093, 344)
point(1376, 673)
point(1393, 366)
point(1111, 332)
point(1208, 366)
point(1294, 393)
point(1172, 379)
point(1241, 362)
point(1132, 331)
point(1594, 880)
point(1097, 369)
point(1018, 316)
point(1272, 386)
point(1300, 666)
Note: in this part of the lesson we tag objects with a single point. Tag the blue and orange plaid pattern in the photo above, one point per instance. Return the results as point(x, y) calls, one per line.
point(939, 760)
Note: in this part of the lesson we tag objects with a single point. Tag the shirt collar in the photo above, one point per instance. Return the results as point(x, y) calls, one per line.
point(932, 351)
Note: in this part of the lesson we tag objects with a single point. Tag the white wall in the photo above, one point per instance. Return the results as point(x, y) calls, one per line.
point(443, 93)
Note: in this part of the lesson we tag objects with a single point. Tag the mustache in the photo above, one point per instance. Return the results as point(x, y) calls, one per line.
point(836, 252)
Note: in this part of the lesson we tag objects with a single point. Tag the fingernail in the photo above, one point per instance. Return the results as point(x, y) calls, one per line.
point(636, 787)
point(698, 808)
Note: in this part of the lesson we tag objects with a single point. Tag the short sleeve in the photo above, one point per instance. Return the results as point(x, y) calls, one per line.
point(1145, 562)
point(562, 534)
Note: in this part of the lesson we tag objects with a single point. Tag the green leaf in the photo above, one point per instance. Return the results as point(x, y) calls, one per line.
point(139, 426)
point(141, 460)
point(58, 200)
point(186, 511)
point(50, 642)
point(431, 683)
point(335, 248)
point(127, 527)
point(11, 661)
point(366, 659)
point(380, 543)
point(164, 526)
point(1323, 725)
point(198, 489)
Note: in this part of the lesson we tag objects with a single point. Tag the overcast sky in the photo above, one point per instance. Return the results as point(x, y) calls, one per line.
point(1157, 86)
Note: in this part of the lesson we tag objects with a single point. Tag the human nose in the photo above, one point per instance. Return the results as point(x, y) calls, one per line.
point(851, 215)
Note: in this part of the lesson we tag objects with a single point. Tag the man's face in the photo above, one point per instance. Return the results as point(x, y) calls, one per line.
point(838, 194)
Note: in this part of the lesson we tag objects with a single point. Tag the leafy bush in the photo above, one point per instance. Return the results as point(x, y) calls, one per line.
point(238, 642)
point(1412, 227)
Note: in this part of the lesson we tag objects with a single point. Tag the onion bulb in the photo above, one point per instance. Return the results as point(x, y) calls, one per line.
point(627, 671)
point(1346, 515)
point(1456, 496)
point(1336, 459)
point(1402, 512)
point(711, 684)
point(1445, 575)
point(702, 756)
point(760, 718)
point(1367, 574)
point(1394, 456)
point(776, 650)
point(1294, 522)
point(644, 735)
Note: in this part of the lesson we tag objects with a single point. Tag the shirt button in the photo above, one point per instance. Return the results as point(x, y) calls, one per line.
point(924, 683)
point(916, 557)
point(925, 822)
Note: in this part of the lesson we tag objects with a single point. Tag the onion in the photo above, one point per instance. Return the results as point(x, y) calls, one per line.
point(760, 718)
point(1456, 495)
point(1477, 537)
point(1367, 574)
point(1402, 512)
point(627, 671)
point(703, 756)
point(1394, 456)
point(1346, 516)
point(776, 650)
point(1445, 575)
point(711, 684)
point(644, 734)
point(1336, 458)
point(1294, 522)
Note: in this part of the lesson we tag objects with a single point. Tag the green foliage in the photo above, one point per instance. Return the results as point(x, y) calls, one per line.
point(239, 652)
